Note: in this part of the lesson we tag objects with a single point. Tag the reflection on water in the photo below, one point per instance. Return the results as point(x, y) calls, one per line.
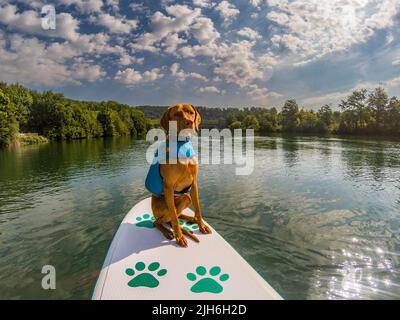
point(318, 218)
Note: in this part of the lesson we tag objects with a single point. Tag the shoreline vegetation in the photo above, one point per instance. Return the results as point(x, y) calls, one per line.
point(26, 139)
point(31, 117)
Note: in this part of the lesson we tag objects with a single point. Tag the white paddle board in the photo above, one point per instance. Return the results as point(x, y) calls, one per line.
point(142, 264)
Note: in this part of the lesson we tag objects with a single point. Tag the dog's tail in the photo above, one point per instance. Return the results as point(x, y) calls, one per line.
point(189, 234)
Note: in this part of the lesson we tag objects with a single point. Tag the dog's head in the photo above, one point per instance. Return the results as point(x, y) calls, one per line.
point(186, 116)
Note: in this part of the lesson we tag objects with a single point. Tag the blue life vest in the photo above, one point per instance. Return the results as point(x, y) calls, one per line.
point(154, 180)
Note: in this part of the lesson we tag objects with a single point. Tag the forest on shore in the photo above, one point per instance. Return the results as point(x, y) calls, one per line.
point(55, 117)
point(363, 112)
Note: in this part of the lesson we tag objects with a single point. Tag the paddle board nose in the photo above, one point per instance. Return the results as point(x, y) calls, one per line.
point(141, 264)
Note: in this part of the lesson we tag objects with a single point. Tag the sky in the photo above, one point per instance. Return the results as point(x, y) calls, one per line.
point(208, 53)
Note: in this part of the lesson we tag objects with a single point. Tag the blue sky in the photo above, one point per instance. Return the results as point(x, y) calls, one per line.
point(204, 52)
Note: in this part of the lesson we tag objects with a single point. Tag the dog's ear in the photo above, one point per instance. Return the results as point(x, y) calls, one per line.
point(164, 122)
point(197, 118)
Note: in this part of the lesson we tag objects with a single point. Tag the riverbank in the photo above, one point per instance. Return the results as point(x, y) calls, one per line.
point(24, 139)
point(27, 139)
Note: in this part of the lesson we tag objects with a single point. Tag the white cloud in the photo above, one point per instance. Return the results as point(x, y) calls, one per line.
point(227, 11)
point(267, 60)
point(392, 83)
point(168, 32)
point(165, 3)
point(31, 61)
point(29, 22)
point(131, 77)
point(329, 98)
point(180, 18)
point(114, 4)
point(181, 75)
point(203, 3)
point(172, 42)
point(255, 3)
point(97, 43)
point(36, 4)
point(389, 38)
point(140, 8)
point(262, 96)
point(116, 25)
point(83, 70)
point(84, 6)
point(198, 50)
point(236, 63)
point(249, 33)
point(210, 89)
point(396, 62)
point(126, 59)
point(203, 30)
point(312, 29)
point(335, 97)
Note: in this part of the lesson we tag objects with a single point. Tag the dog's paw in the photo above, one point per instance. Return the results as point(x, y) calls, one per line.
point(181, 241)
point(204, 229)
point(169, 234)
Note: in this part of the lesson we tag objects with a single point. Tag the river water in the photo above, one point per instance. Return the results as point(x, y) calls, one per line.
point(319, 218)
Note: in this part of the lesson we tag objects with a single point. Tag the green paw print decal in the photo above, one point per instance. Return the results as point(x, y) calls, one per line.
point(207, 284)
point(187, 225)
point(145, 221)
point(145, 279)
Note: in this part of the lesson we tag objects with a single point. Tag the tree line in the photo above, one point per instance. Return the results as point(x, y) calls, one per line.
point(363, 112)
point(53, 116)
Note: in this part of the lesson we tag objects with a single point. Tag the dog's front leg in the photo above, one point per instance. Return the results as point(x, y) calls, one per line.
point(194, 192)
point(169, 199)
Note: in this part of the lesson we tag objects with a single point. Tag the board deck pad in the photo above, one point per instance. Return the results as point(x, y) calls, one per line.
point(142, 264)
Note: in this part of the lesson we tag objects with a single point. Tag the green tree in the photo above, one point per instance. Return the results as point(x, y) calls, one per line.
point(290, 116)
point(251, 122)
point(139, 122)
point(112, 123)
point(378, 101)
point(235, 125)
point(325, 116)
point(392, 117)
point(44, 115)
point(268, 120)
point(21, 98)
point(359, 115)
point(309, 122)
point(8, 122)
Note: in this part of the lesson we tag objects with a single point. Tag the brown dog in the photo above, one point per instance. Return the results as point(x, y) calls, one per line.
point(177, 177)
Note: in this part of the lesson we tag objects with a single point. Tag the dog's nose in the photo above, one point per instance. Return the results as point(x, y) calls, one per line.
point(188, 122)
